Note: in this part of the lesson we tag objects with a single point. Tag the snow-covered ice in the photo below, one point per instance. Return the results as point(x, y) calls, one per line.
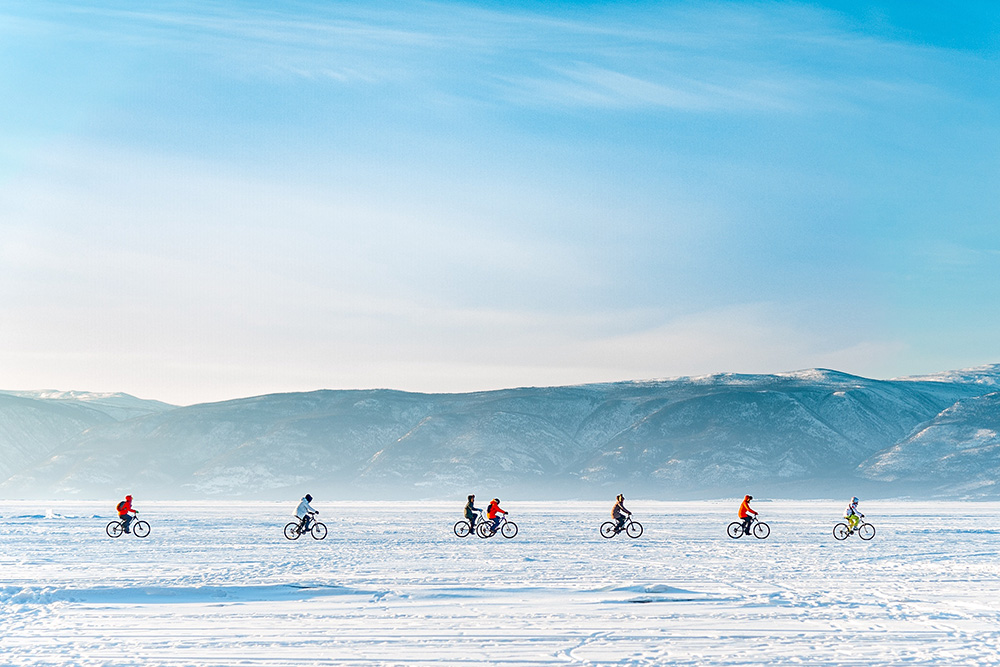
point(217, 584)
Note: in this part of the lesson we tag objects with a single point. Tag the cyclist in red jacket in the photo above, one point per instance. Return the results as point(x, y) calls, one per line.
point(125, 512)
point(493, 513)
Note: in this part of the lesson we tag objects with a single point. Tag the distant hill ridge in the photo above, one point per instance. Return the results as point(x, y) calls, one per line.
point(801, 433)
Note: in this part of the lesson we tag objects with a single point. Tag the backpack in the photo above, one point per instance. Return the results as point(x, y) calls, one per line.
point(121, 506)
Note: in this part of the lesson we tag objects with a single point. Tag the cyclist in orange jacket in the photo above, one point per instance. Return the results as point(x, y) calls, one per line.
point(493, 513)
point(745, 513)
point(125, 512)
point(618, 513)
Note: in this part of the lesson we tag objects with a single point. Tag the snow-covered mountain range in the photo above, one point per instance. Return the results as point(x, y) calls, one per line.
point(805, 433)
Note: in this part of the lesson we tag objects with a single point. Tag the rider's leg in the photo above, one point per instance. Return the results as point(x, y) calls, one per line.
point(747, 520)
point(128, 521)
point(853, 521)
point(496, 523)
point(619, 522)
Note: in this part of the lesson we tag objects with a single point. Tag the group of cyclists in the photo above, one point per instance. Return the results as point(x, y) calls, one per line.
point(493, 513)
point(619, 513)
point(851, 515)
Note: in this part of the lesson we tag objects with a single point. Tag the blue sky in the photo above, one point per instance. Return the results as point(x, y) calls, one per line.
point(202, 201)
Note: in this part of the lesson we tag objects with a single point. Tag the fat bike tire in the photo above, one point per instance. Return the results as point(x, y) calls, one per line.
point(141, 529)
point(292, 530)
point(735, 530)
point(509, 529)
point(115, 529)
point(462, 529)
point(608, 529)
point(634, 529)
point(866, 531)
point(761, 530)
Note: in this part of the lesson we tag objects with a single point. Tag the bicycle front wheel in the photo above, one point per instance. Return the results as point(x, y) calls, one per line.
point(292, 530)
point(841, 531)
point(735, 530)
point(318, 530)
point(114, 529)
point(761, 530)
point(462, 529)
point(509, 529)
point(484, 531)
point(866, 531)
point(608, 529)
point(634, 529)
point(140, 529)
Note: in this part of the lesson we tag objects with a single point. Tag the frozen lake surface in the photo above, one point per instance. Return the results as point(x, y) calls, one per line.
point(391, 584)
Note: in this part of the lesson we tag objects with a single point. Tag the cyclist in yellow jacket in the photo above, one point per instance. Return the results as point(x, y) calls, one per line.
point(852, 515)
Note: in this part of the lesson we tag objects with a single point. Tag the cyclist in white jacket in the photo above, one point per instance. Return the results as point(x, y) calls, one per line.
point(305, 511)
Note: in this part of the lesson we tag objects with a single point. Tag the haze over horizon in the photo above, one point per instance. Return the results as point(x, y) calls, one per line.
point(208, 201)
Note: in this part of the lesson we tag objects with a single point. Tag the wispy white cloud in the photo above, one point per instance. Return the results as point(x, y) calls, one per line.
point(593, 86)
point(708, 58)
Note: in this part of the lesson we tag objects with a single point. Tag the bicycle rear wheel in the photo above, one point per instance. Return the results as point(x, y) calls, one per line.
point(483, 530)
point(140, 529)
point(761, 530)
point(292, 530)
point(866, 531)
point(608, 529)
point(318, 530)
point(462, 529)
point(735, 530)
point(841, 531)
point(509, 529)
point(634, 529)
point(114, 529)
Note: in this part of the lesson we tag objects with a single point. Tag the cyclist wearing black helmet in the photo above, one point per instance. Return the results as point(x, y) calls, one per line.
point(305, 511)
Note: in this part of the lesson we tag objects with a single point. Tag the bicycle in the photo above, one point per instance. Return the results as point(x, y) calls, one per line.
point(632, 528)
point(506, 528)
point(117, 528)
point(295, 529)
point(463, 528)
point(865, 531)
point(759, 529)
